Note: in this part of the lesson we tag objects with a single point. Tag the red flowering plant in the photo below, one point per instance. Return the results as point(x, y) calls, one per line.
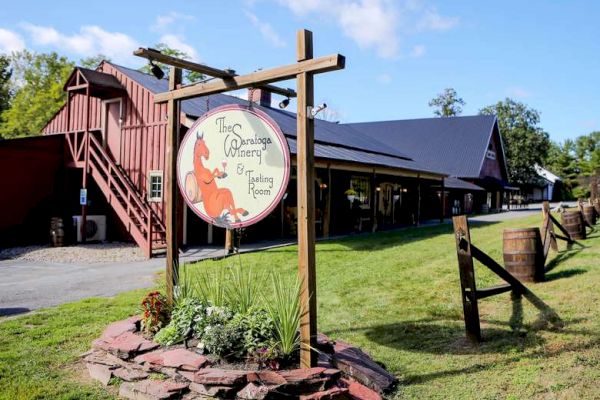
point(155, 312)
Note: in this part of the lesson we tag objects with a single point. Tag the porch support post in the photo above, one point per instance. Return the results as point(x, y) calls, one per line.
point(306, 205)
point(418, 200)
point(172, 192)
point(443, 201)
point(86, 162)
point(327, 213)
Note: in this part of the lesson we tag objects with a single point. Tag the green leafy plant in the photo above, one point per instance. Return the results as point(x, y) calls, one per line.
point(283, 308)
point(258, 331)
point(155, 312)
point(216, 335)
point(168, 335)
point(243, 289)
point(210, 287)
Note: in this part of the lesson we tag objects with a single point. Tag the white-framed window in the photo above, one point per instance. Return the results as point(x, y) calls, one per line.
point(155, 186)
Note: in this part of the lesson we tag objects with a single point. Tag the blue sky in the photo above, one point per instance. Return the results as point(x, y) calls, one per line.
point(399, 54)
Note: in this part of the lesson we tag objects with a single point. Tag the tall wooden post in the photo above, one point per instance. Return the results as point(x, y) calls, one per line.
point(172, 192)
point(86, 138)
point(306, 204)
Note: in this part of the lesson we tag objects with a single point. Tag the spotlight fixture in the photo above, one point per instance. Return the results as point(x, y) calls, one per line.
point(156, 70)
point(284, 103)
point(313, 111)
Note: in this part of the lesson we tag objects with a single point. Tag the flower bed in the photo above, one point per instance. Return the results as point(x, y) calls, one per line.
point(228, 335)
point(147, 370)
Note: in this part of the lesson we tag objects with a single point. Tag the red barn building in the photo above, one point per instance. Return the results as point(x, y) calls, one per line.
point(111, 128)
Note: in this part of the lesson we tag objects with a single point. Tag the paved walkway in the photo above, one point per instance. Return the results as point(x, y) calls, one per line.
point(27, 285)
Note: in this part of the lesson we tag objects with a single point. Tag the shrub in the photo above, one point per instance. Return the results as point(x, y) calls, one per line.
point(168, 335)
point(216, 335)
point(155, 312)
point(258, 331)
point(284, 309)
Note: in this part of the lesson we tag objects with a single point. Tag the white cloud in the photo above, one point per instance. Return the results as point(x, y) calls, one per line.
point(518, 92)
point(10, 41)
point(418, 50)
point(384, 78)
point(163, 21)
point(266, 30)
point(90, 40)
point(177, 42)
point(433, 21)
point(374, 24)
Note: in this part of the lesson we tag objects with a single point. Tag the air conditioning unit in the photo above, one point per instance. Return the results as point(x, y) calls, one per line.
point(95, 227)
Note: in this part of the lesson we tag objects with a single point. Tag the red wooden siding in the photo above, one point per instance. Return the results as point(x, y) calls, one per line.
point(491, 167)
point(143, 129)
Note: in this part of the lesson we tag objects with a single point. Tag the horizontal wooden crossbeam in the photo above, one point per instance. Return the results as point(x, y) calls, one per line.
point(255, 79)
point(156, 55)
point(494, 290)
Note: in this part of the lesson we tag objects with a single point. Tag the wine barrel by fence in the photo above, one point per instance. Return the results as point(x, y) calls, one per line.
point(57, 232)
point(572, 221)
point(589, 214)
point(523, 254)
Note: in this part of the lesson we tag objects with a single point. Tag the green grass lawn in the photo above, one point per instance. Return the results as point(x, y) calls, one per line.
point(394, 294)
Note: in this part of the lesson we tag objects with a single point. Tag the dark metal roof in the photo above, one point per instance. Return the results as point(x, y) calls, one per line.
point(100, 79)
point(325, 132)
point(456, 145)
point(455, 183)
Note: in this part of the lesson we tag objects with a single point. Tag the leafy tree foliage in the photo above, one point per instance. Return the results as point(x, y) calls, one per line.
point(447, 104)
point(189, 76)
point(37, 87)
point(526, 143)
point(5, 92)
point(93, 61)
point(562, 162)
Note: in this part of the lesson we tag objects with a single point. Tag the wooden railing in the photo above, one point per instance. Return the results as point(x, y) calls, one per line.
point(140, 220)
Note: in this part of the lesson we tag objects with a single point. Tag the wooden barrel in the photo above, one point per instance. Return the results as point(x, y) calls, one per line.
point(572, 221)
point(597, 207)
point(191, 188)
point(589, 214)
point(523, 254)
point(57, 232)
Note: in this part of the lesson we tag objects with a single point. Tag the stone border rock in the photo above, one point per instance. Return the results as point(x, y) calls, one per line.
point(150, 372)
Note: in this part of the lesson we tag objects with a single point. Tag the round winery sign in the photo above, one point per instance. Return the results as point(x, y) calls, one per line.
point(233, 166)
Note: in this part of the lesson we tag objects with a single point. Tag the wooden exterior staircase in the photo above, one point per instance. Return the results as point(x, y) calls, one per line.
point(134, 211)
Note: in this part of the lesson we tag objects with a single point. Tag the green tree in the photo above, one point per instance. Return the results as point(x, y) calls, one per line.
point(189, 76)
point(447, 104)
point(5, 92)
point(561, 161)
point(93, 61)
point(526, 143)
point(37, 88)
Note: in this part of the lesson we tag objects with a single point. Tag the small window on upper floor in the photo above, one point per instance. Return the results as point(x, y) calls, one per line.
point(155, 186)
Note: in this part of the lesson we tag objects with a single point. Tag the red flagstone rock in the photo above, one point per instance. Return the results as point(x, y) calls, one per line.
point(152, 390)
point(99, 372)
point(253, 392)
point(335, 393)
point(118, 328)
point(176, 358)
point(266, 377)
point(104, 358)
point(128, 344)
point(215, 376)
point(212, 391)
point(358, 365)
point(301, 374)
point(130, 374)
point(358, 391)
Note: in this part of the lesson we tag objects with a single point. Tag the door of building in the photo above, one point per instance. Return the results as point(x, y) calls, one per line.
point(112, 129)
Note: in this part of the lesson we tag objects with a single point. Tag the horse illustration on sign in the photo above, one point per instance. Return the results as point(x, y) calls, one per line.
point(203, 187)
point(249, 141)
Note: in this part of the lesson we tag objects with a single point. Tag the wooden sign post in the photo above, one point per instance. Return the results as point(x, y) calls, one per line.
point(226, 80)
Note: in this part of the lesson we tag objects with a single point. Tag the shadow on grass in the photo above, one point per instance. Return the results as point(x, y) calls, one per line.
point(561, 257)
point(565, 274)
